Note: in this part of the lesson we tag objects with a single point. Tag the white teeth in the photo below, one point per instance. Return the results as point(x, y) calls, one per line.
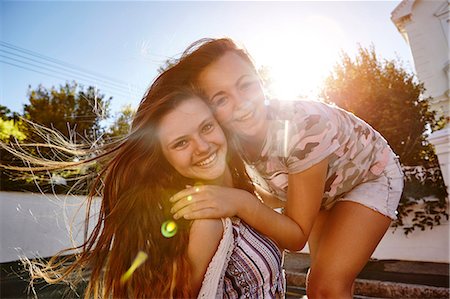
point(207, 161)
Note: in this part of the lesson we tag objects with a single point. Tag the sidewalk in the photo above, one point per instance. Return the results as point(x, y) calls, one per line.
point(380, 279)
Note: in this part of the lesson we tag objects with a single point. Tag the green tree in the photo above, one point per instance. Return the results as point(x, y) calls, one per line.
point(70, 109)
point(53, 116)
point(10, 129)
point(5, 112)
point(122, 123)
point(11, 126)
point(389, 98)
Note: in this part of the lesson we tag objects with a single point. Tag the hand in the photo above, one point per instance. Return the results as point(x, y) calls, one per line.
point(207, 201)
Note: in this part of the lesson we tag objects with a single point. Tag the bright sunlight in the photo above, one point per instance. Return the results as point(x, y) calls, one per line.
point(300, 59)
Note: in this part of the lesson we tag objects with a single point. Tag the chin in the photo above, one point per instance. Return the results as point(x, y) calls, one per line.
point(209, 179)
point(247, 134)
point(251, 131)
point(213, 174)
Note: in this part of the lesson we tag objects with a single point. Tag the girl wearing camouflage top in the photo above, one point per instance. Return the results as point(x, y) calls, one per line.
point(338, 180)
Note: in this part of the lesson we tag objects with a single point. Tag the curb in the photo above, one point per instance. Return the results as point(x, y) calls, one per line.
point(380, 289)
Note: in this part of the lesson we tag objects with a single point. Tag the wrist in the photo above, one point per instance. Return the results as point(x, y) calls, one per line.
point(247, 205)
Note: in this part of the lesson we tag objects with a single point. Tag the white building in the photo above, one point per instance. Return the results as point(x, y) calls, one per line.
point(424, 24)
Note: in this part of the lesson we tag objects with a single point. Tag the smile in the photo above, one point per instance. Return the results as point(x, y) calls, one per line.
point(208, 160)
point(245, 116)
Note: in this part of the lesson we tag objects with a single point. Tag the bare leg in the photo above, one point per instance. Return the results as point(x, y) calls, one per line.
point(316, 232)
point(342, 243)
point(314, 238)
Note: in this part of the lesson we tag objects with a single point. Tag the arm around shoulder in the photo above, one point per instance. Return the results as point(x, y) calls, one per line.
point(290, 230)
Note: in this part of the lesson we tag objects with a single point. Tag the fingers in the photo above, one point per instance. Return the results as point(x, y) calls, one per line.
point(185, 202)
point(185, 192)
point(188, 211)
point(189, 200)
point(207, 213)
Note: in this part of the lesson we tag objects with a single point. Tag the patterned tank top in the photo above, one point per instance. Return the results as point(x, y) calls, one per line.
point(254, 269)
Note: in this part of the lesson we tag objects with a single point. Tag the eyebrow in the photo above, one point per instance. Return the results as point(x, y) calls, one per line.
point(237, 83)
point(179, 138)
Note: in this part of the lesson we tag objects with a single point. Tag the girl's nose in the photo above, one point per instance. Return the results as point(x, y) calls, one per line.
point(243, 109)
point(246, 105)
point(202, 146)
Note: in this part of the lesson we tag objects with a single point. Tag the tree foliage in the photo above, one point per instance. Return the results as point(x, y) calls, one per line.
point(72, 113)
point(10, 129)
point(70, 109)
point(122, 123)
point(5, 112)
point(390, 99)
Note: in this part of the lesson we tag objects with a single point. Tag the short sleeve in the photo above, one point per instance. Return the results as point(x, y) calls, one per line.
point(313, 138)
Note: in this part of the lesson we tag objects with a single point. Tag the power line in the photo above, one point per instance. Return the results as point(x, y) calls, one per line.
point(56, 71)
point(60, 62)
point(50, 75)
point(62, 68)
point(65, 69)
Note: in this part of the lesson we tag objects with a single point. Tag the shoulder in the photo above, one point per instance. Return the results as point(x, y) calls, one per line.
point(206, 229)
point(300, 111)
point(204, 239)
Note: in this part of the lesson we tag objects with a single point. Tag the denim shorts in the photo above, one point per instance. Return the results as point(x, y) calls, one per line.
point(383, 193)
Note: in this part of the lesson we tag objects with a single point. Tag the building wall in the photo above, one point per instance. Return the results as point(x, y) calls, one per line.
point(427, 246)
point(40, 225)
point(424, 25)
point(430, 245)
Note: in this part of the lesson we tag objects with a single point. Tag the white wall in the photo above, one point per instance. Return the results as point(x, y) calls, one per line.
point(425, 26)
point(425, 246)
point(38, 225)
point(428, 38)
point(430, 245)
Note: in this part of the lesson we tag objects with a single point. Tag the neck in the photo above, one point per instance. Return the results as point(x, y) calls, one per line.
point(224, 180)
point(252, 147)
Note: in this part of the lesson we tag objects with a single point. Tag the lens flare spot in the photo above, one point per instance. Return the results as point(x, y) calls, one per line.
point(189, 197)
point(140, 258)
point(169, 228)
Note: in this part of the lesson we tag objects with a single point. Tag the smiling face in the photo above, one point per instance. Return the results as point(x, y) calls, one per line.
point(235, 93)
point(193, 142)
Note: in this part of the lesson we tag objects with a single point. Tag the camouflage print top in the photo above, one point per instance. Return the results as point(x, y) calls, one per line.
point(303, 133)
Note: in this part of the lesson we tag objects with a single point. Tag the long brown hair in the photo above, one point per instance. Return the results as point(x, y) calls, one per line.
point(134, 183)
point(203, 53)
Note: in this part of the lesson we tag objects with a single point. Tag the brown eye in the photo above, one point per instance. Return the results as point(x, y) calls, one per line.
point(207, 127)
point(180, 144)
point(219, 101)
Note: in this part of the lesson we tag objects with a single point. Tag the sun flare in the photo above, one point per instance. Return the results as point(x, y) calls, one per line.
point(300, 58)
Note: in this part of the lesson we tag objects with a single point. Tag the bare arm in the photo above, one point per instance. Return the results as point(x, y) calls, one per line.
point(204, 238)
point(290, 230)
point(269, 199)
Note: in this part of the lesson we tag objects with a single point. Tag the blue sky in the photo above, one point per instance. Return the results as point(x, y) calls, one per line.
point(118, 46)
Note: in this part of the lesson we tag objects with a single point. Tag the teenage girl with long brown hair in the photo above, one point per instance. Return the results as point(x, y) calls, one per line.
point(174, 142)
